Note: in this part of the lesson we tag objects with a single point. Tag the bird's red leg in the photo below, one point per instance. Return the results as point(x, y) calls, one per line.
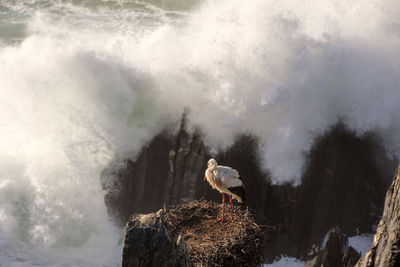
point(223, 207)
point(230, 200)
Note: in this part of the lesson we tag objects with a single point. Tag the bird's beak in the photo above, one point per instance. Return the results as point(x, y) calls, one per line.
point(205, 178)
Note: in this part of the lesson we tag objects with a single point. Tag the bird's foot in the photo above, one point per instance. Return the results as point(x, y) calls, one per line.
point(220, 219)
point(231, 219)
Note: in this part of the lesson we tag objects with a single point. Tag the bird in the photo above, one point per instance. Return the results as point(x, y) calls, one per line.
point(227, 181)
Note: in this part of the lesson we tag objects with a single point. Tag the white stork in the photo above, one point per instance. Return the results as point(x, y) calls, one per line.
point(225, 180)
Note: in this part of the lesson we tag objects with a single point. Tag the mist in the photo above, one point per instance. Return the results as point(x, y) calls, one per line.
point(84, 84)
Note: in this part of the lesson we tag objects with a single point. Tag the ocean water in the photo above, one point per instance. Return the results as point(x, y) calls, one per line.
point(286, 262)
point(85, 82)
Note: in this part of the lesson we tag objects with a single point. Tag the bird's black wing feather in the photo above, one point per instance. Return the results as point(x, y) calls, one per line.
point(239, 190)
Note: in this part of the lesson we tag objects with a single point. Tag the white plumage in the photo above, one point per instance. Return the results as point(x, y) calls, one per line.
point(222, 178)
point(225, 180)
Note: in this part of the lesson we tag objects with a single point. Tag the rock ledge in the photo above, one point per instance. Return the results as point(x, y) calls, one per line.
point(189, 235)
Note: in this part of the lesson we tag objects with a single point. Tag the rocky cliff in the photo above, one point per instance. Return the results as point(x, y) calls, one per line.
point(385, 250)
point(336, 253)
point(168, 171)
point(344, 184)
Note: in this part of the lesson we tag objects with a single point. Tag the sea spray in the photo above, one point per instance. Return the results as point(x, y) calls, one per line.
point(65, 113)
point(85, 82)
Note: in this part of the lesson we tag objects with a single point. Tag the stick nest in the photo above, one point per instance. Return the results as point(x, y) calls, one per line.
point(213, 243)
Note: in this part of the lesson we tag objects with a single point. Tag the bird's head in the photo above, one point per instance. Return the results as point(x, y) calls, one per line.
point(211, 163)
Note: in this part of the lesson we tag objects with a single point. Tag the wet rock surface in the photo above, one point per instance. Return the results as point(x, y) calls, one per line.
point(385, 250)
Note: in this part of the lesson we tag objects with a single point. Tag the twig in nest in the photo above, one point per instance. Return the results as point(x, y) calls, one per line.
point(217, 244)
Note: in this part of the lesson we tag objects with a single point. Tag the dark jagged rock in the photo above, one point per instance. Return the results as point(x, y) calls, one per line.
point(336, 252)
point(136, 186)
point(149, 242)
point(342, 186)
point(168, 171)
point(187, 160)
point(189, 235)
point(385, 250)
point(350, 258)
point(344, 183)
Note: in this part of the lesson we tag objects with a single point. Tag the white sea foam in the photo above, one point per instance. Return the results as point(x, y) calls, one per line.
point(286, 262)
point(361, 243)
point(82, 84)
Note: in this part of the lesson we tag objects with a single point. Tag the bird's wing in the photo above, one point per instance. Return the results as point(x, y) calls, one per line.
point(227, 172)
point(229, 177)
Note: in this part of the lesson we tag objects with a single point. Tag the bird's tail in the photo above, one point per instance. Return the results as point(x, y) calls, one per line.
point(239, 194)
